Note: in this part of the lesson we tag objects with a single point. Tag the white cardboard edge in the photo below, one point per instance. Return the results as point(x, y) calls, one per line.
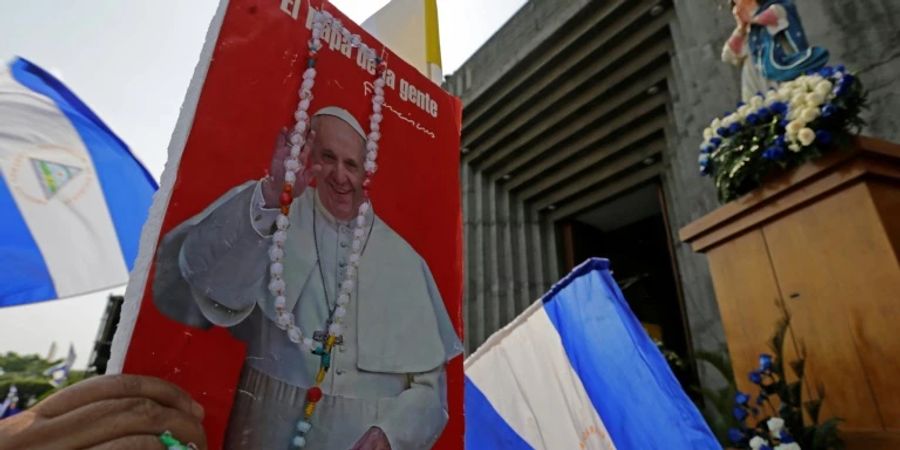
point(134, 293)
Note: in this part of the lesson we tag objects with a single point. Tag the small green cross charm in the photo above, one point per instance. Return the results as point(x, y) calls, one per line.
point(325, 356)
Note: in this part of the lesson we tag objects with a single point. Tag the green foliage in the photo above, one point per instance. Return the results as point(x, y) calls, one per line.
point(718, 402)
point(774, 387)
point(26, 373)
point(28, 365)
point(27, 388)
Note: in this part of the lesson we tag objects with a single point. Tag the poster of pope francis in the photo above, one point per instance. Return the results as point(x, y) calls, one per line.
point(300, 274)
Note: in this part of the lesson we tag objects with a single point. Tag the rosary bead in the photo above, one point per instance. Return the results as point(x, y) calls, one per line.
point(335, 329)
point(283, 320)
point(299, 441)
point(275, 253)
point(314, 394)
point(285, 198)
point(304, 426)
point(276, 269)
point(294, 334)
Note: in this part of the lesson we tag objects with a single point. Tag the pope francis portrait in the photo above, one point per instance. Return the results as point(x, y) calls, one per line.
point(386, 387)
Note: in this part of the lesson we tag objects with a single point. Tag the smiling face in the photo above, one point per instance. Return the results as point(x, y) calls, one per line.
point(340, 151)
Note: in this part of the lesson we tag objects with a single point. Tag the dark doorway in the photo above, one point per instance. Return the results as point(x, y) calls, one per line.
point(631, 232)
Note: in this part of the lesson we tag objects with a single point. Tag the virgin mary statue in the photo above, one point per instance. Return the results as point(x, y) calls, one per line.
point(769, 44)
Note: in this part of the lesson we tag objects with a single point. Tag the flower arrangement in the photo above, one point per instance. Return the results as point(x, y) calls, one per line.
point(798, 121)
point(774, 419)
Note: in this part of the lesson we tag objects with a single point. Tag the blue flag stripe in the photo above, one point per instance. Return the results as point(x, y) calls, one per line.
point(492, 431)
point(627, 379)
point(25, 277)
point(128, 201)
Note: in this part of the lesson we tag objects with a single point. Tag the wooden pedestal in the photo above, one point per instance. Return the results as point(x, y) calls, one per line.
point(825, 239)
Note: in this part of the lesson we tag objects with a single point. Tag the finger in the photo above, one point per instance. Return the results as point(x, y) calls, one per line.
point(108, 420)
point(282, 139)
point(365, 442)
point(119, 386)
point(307, 148)
point(282, 147)
point(139, 442)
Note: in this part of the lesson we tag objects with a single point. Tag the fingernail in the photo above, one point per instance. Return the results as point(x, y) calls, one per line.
point(197, 410)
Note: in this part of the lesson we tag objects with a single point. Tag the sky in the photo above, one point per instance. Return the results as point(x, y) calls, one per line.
point(131, 62)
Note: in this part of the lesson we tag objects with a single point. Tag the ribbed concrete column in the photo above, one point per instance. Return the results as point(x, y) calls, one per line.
point(535, 254)
point(505, 257)
point(466, 186)
point(520, 255)
point(476, 267)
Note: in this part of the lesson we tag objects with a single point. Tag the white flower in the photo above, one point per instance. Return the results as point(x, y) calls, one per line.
point(757, 442)
point(772, 98)
point(794, 127)
point(815, 99)
point(823, 87)
point(743, 111)
point(707, 134)
point(794, 147)
point(756, 102)
point(809, 114)
point(798, 99)
point(791, 446)
point(806, 136)
point(730, 119)
point(716, 123)
point(775, 424)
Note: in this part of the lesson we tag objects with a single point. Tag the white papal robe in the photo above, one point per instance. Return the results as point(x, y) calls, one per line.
point(389, 372)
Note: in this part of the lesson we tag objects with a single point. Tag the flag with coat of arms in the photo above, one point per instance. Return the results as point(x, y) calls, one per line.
point(73, 198)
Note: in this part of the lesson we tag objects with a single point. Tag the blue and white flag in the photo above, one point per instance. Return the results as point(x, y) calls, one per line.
point(577, 371)
point(59, 373)
point(10, 402)
point(73, 198)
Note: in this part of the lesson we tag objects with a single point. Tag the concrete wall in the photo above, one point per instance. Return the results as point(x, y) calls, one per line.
point(508, 245)
point(863, 34)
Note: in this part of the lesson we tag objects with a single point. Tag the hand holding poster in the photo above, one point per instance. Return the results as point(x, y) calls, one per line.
point(317, 307)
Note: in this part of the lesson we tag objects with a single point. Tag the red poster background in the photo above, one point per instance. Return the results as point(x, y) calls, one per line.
point(249, 94)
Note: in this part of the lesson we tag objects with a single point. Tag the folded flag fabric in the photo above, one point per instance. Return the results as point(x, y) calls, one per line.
point(73, 198)
point(577, 371)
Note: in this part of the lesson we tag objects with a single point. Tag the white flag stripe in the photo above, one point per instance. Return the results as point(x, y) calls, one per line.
point(547, 392)
point(72, 227)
